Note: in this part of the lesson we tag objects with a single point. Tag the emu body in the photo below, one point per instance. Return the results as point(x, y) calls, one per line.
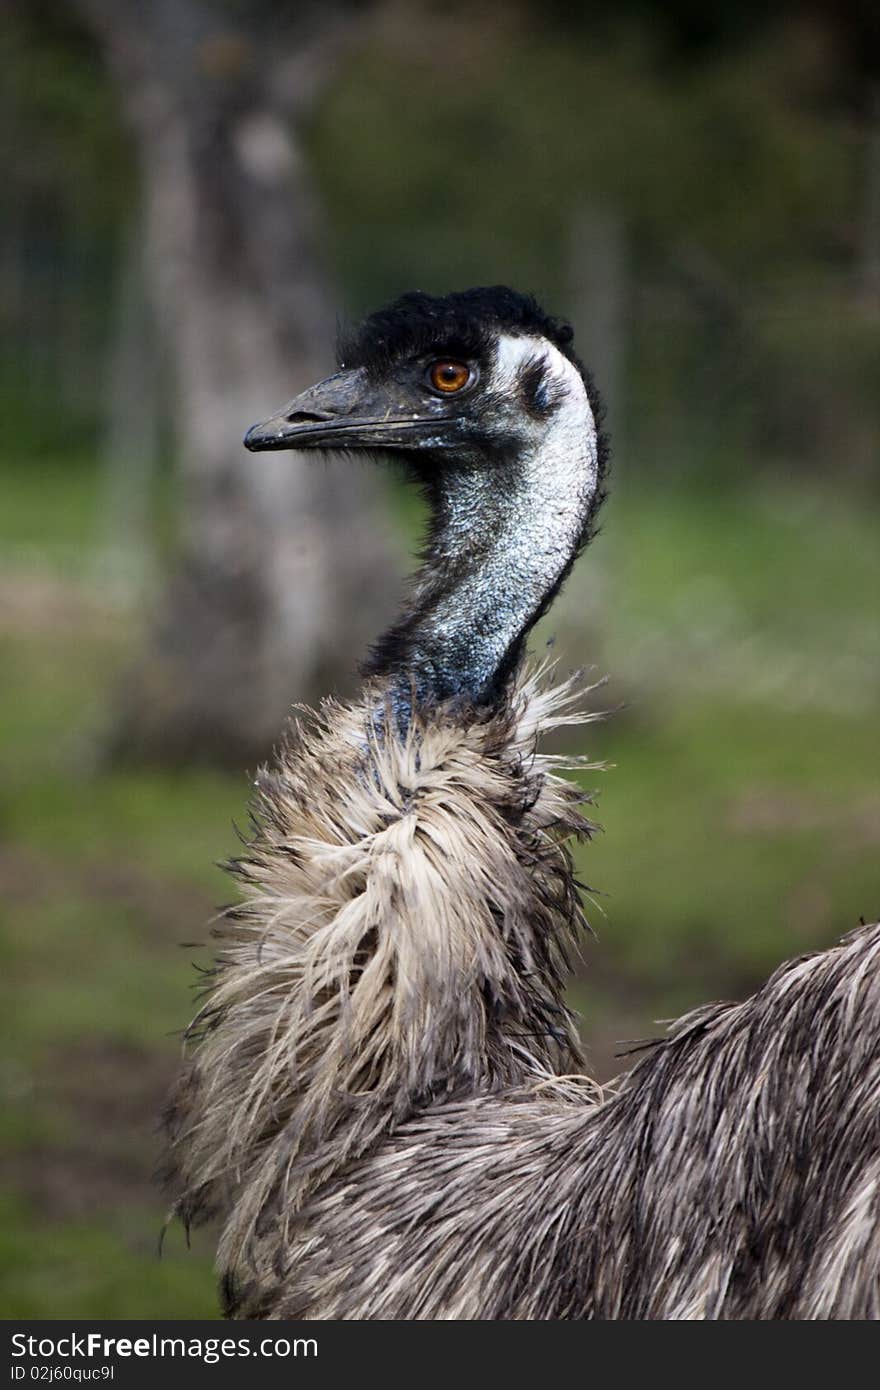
point(735, 1174)
point(379, 1101)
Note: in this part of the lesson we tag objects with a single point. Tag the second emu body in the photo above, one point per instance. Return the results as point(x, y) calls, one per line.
point(380, 1101)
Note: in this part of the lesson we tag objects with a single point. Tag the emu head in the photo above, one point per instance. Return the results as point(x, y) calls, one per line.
point(481, 395)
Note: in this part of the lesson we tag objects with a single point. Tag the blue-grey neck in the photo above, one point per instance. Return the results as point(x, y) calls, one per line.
point(503, 539)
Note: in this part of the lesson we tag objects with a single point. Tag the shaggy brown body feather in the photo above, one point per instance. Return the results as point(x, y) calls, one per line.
point(409, 909)
point(735, 1174)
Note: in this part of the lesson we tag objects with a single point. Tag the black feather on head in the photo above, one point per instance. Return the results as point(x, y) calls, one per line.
point(463, 324)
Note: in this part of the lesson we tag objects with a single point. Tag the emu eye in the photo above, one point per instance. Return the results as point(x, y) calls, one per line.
point(447, 376)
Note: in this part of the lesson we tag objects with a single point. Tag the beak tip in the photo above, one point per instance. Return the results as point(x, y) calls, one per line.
point(253, 439)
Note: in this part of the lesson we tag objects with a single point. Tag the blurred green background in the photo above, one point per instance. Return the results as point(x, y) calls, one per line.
point(700, 193)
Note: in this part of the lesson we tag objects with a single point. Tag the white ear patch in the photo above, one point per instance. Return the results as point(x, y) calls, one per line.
point(512, 354)
point(567, 442)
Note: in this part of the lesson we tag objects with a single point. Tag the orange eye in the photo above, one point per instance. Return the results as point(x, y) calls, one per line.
point(448, 376)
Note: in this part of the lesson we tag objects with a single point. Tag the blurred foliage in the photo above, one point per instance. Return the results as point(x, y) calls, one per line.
point(732, 593)
point(69, 197)
point(459, 145)
point(462, 152)
point(60, 120)
point(506, 132)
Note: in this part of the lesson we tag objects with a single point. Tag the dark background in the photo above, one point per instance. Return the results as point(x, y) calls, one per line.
point(192, 193)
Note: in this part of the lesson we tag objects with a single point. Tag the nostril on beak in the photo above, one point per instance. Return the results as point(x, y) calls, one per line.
point(303, 417)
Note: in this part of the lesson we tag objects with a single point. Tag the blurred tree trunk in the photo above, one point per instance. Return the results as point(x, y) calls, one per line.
point(283, 565)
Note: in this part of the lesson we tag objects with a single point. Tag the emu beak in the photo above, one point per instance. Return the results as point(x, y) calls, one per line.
point(349, 411)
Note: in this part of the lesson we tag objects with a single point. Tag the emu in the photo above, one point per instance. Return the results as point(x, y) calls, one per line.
point(384, 1100)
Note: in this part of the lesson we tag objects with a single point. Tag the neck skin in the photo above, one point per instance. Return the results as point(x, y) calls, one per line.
point(503, 536)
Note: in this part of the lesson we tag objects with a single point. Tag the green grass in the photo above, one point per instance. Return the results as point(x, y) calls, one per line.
point(760, 593)
point(742, 816)
point(97, 1269)
point(102, 875)
point(50, 507)
point(733, 836)
point(741, 824)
